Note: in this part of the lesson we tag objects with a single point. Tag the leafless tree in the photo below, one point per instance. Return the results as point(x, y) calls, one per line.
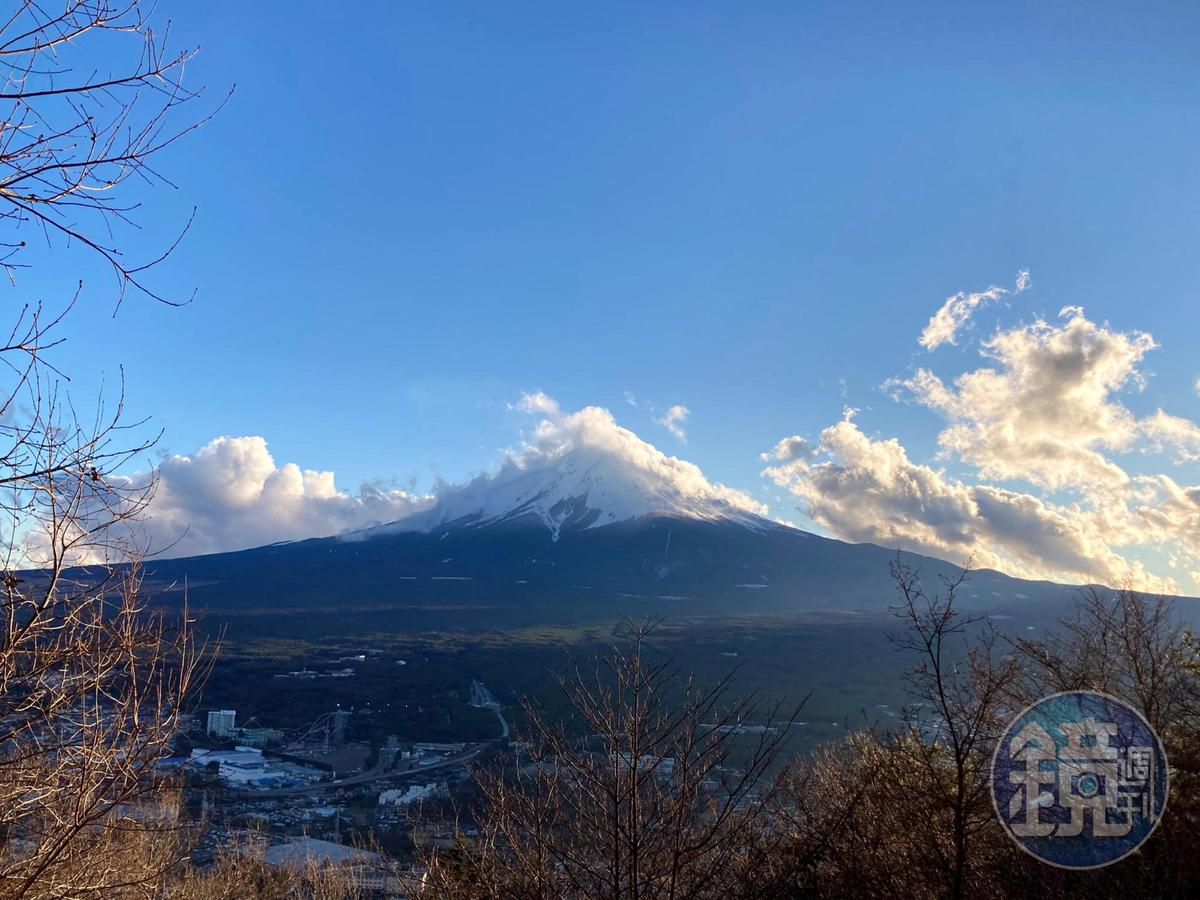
point(1120, 642)
point(89, 100)
point(960, 682)
point(907, 813)
point(1135, 647)
point(91, 688)
point(649, 789)
point(92, 685)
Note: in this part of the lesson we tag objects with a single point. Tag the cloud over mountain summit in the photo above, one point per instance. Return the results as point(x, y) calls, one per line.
point(584, 468)
point(232, 494)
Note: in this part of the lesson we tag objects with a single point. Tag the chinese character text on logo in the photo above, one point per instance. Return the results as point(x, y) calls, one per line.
point(1079, 779)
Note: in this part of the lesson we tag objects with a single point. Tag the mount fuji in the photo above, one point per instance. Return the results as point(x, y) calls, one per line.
point(578, 489)
point(586, 521)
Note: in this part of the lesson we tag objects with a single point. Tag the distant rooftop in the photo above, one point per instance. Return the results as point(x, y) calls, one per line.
point(301, 851)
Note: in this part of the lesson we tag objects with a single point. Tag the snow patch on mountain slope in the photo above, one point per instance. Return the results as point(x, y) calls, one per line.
point(583, 470)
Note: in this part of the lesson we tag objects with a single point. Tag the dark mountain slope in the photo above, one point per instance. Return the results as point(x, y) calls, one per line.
point(515, 569)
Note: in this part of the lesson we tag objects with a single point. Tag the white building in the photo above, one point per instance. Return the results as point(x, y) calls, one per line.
point(220, 722)
point(242, 765)
point(417, 793)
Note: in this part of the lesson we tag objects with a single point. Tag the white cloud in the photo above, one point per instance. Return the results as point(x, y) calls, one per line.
point(955, 314)
point(1173, 434)
point(538, 402)
point(673, 420)
point(594, 428)
point(789, 449)
point(870, 491)
point(231, 494)
point(1045, 412)
point(620, 472)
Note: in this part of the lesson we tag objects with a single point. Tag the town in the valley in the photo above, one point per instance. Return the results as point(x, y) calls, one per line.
point(320, 792)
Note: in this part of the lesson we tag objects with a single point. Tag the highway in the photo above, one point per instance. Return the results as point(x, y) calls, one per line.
point(482, 698)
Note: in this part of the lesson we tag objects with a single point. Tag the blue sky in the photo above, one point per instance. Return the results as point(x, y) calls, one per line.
point(412, 214)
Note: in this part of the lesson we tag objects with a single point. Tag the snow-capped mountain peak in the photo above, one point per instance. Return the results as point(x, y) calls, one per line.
point(584, 471)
